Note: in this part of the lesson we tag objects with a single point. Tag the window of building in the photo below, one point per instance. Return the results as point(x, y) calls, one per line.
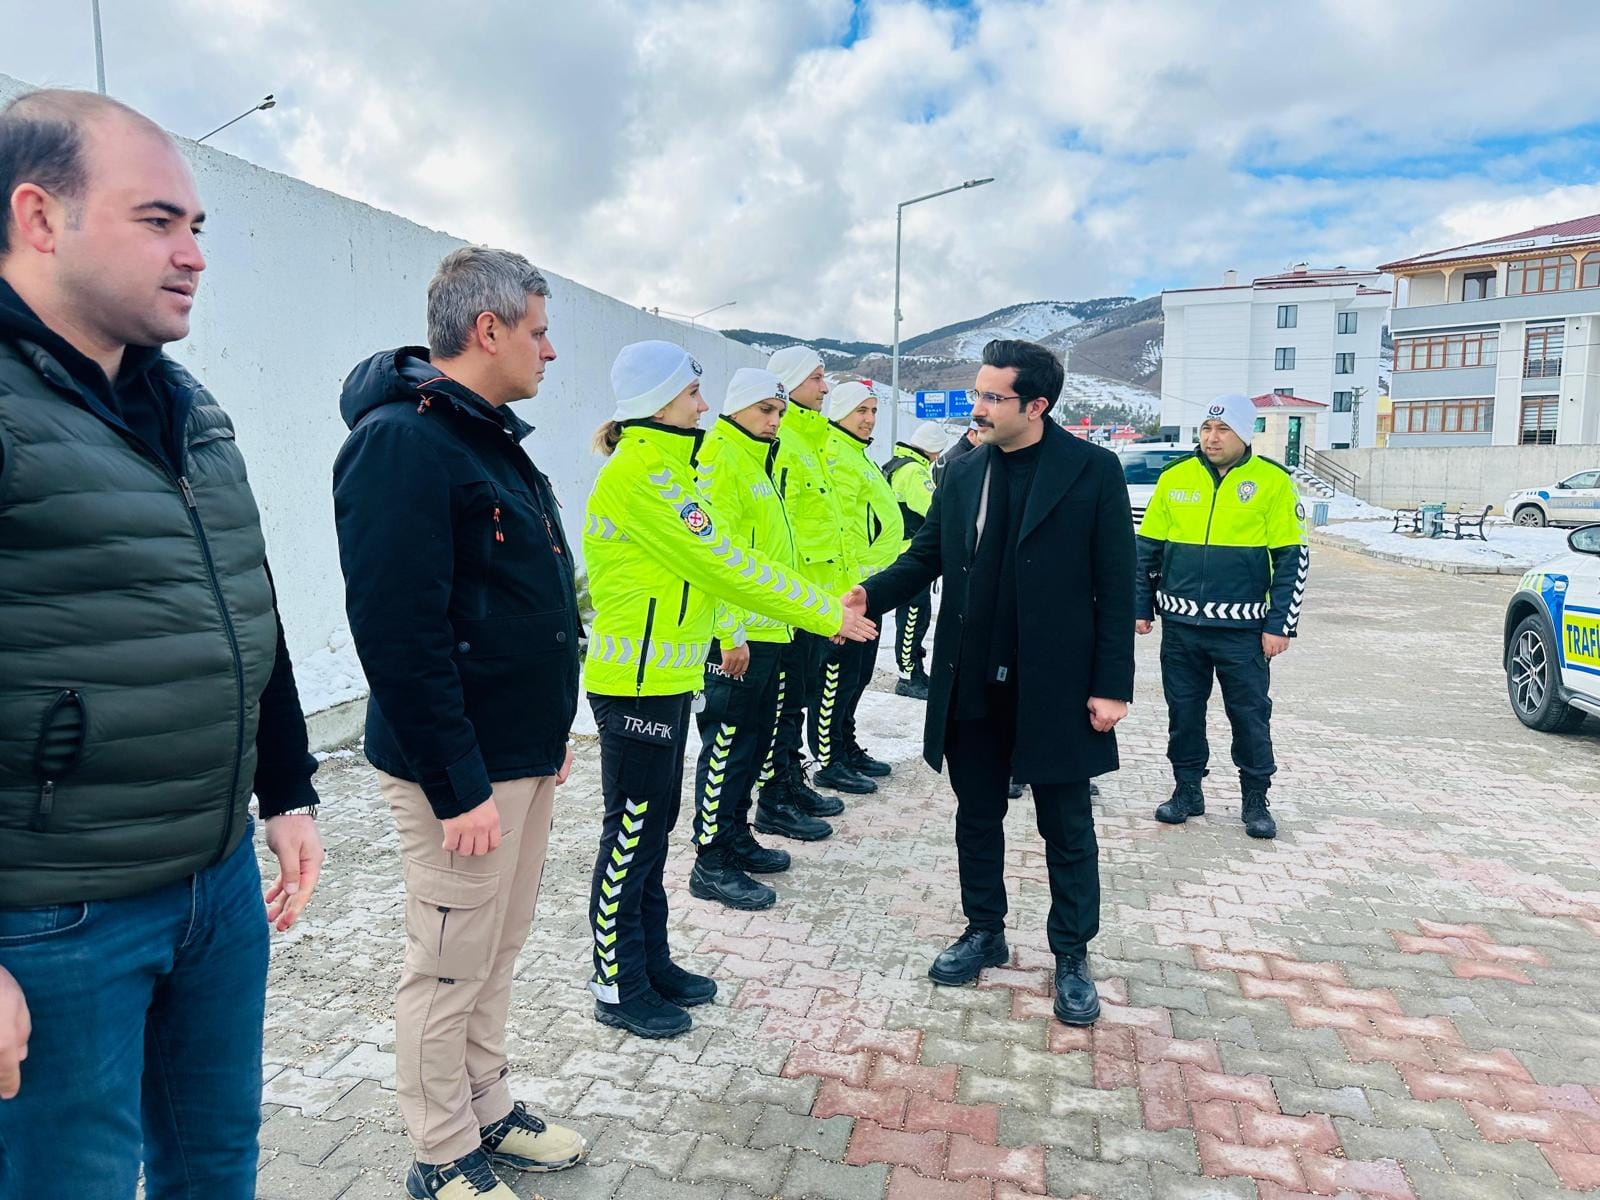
point(1344, 364)
point(1341, 445)
point(1288, 316)
point(1283, 358)
point(1539, 420)
point(1343, 401)
point(1441, 416)
point(1386, 422)
point(1553, 273)
point(1261, 424)
point(1591, 270)
point(1347, 322)
point(1446, 350)
point(1479, 285)
point(1283, 391)
point(1544, 346)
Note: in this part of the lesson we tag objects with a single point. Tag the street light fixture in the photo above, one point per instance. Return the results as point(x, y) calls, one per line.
point(693, 317)
point(894, 371)
point(267, 101)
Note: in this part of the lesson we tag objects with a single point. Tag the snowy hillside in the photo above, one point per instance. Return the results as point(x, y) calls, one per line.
point(1039, 321)
point(1089, 392)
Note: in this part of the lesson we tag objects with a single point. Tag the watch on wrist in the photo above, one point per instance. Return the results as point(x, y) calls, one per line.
point(305, 810)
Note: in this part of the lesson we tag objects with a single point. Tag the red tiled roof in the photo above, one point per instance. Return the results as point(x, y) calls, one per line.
point(1273, 400)
point(1576, 227)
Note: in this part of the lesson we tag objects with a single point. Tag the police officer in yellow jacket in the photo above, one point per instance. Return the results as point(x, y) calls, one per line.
point(1223, 558)
point(910, 474)
point(659, 558)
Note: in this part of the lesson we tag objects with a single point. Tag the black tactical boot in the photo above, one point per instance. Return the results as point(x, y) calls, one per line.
point(974, 950)
point(863, 763)
point(1077, 1002)
point(683, 988)
point(1014, 790)
point(783, 818)
point(647, 1015)
point(750, 855)
point(914, 685)
point(800, 794)
point(1258, 822)
point(715, 877)
point(1187, 801)
point(838, 776)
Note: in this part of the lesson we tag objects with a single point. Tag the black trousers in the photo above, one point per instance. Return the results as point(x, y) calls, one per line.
point(737, 726)
point(978, 757)
point(845, 673)
point(641, 777)
point(801, 672)
point(911, 627)
point(1191, 656)
point(866, 662)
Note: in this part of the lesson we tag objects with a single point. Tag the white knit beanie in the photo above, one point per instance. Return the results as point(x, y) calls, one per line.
point(1238, 410)
point(929, 438)
point(793, 364)
point(647, 376)
point(842, 401)
point(752, 385)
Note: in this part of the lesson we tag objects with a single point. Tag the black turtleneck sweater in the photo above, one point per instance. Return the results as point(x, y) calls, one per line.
point(989, 635)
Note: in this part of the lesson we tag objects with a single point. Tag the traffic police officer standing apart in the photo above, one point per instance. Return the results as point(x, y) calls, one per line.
point(1223, 557)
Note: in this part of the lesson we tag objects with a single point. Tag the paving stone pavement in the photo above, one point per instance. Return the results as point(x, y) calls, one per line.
point(1396, 999)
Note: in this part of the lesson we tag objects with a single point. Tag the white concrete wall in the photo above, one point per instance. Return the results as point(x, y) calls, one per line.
point(1402, 477)
point(302, 284)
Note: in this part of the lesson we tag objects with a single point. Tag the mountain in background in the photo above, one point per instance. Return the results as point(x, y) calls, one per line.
point(1112, 348)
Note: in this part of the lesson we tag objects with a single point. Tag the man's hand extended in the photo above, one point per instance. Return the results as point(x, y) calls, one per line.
point(15, 1029)
point(476, 831)
point(1272, 645)
point(736, 661)
point(1104, 714)
point(295, 839)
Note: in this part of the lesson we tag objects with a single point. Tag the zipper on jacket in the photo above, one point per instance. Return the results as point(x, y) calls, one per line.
point(1205, 547)
point(52, 758)
point(683, 607)
point(644, 645)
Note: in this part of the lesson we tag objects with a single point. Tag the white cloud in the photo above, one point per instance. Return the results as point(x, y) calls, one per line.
point(687, 152)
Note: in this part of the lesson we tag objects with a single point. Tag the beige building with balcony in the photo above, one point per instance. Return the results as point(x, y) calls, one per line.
point(1498, 342)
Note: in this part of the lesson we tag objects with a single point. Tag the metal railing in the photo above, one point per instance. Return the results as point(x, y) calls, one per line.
point(1324, 468)
point(1542, 368)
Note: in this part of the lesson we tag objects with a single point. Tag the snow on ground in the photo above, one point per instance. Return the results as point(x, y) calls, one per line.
point(1509, 546)
point(330, 674)
point(1345, 507)
point(1089, 390)
point(1030, 322)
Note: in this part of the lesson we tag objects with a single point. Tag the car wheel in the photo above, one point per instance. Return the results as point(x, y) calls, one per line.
point(1531, 678)
point(1530, 516)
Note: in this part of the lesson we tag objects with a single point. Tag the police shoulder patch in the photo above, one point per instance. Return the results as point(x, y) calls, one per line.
point(1247, 491)
point(1300, 511)
point(696, 519)
point(928, 483)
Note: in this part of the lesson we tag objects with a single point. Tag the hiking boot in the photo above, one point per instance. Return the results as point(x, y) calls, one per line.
point(912, 687)
point(1258, 822)
point(716, 878)
point(1094, 789)
point(1077, 1002)
point(683, 988)
point(806, 798)
point(838, 776)
point(520, 1141)
point(863, 763)
point(1187, 801)
point(751, 856)
point(647, 1015)
point(786, 820)
point(467, 1178)
point(974, 950)
point(1014, 790)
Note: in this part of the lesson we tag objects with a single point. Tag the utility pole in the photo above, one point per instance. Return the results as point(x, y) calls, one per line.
point(1355, 416)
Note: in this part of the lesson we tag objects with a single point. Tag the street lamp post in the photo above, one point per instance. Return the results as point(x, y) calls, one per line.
point(894, 370)
point(712, 309)
point(267, 101)
point(99, 49)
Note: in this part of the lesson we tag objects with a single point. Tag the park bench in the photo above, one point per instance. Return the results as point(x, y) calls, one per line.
point(1410, 518)
point(1460, 523)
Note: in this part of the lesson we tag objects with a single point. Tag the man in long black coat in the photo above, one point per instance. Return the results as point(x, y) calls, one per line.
point(1032, 655)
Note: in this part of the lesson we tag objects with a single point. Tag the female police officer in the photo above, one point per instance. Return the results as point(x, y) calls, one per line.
point(658, 561)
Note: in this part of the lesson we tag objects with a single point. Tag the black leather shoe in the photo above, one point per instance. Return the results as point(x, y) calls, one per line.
point(683, 988)
point(647, 1015)
point(1014, 790)
point(913, 688)
point(796, 791)
point(970, 953)
point(838, 777)
point(785, 820)
point(750, 855)
point(715, 878)
point(1077, 1003)
point(1094, 789)
point(1258, 822)
point(1187, 801)
point(863, 763)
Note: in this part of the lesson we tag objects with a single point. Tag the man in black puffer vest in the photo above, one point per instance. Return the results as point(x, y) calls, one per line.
point(146, 690)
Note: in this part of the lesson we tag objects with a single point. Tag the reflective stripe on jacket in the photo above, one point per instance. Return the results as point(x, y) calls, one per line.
point(1227, 551)
point(659, 556)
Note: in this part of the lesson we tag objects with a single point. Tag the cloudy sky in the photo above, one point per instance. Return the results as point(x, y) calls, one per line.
point(682, 153)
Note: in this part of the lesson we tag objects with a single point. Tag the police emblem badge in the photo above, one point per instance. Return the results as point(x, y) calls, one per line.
point(696, 519)
point(1247, 491)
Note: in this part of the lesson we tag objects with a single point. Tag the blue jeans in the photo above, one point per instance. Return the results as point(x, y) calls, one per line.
point(147, 1016)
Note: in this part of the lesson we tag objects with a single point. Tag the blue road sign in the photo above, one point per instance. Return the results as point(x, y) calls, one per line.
point(936, 406)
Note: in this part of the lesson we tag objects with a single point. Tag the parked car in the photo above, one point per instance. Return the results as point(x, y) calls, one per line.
point(1552, 638)
point(1142, 466)
point(1573, 501)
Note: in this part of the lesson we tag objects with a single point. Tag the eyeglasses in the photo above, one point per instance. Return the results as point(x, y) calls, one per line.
point(996, 397)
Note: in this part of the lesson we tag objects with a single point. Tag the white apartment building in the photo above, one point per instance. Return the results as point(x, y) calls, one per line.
point(1314, 334)
point(1496, 342)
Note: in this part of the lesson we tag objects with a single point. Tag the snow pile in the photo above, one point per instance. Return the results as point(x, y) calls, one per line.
point(330, 674)
point(1509, 548)
point(1345, 507)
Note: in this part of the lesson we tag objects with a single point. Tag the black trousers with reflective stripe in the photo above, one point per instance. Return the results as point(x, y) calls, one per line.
point(911, 627)
point(1193, 655)
point(837, 689)
point(866, 665)
point(802, 671)
point(736, 732)
point(641, 778)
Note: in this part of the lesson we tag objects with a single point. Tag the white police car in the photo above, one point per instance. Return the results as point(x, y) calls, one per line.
point(1575, 500)
point(1552, 638)
point(1142, 466)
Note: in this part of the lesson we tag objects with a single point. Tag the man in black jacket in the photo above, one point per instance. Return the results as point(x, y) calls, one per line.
point(459, 588)
point(145, 688)
point(1032, 654)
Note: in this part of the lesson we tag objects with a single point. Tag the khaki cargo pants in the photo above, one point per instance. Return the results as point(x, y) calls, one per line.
point(467, 918)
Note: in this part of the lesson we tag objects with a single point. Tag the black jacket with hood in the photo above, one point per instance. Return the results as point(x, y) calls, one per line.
point(458, 584)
